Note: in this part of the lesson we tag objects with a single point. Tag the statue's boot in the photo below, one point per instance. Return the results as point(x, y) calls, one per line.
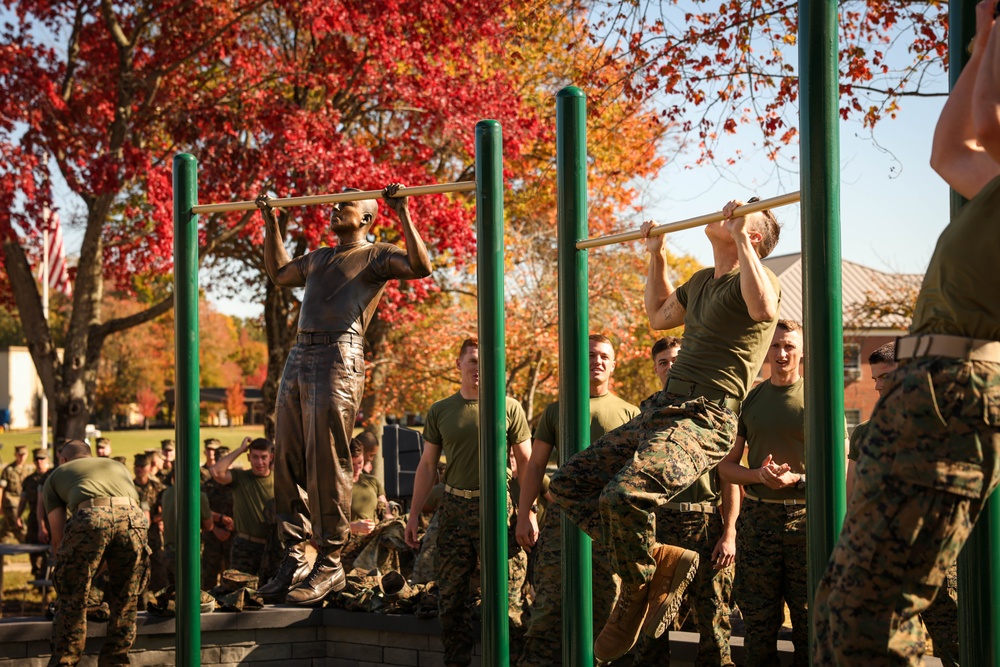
point(327, 577)
point(294, 568)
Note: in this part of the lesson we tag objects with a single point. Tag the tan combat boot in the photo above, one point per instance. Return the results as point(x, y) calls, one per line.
point(675, 568)
point(622, 629)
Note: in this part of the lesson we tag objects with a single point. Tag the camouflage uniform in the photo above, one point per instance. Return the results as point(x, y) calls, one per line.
point(11, 479)
point(543, 644)
point(928, 462)
point(29, 491)
point(215, 557)
point(771, 568)
point(941, 620)
point(457, 560)
point(116, 535)
point(612, 489)
point(709, 593)
point(149, 499)
point(247, 555)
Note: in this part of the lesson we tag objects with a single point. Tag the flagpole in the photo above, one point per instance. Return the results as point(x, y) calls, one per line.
point(45, 314)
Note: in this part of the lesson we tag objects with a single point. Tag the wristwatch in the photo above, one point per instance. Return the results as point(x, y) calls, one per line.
point(801, 483)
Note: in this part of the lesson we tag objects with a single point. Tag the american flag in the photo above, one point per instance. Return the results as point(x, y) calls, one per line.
point(55, 255)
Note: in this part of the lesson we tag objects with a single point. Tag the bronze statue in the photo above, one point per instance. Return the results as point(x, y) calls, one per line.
point(322, 384)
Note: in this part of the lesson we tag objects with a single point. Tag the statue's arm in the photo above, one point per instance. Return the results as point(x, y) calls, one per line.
point(416, 263)
point(276, 258)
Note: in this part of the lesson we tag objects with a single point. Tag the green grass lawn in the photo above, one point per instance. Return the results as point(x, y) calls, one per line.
point(129, 443)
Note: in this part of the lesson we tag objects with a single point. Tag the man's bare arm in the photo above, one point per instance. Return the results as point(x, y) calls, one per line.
point(530, 481)
point(423, 482)
point(276, 257)
point(220, 470)
point(416, 263)
point(986, 93)
point(662, 307)
point(57, 525)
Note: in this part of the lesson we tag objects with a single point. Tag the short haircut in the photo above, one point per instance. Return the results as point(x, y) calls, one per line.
point(357, 449)
point(467, 344)
point(601, 338)
point(369, 441)
point(260, 445)
point(665, 343)
point(886, 354)
point(769, 230)
point(791, 326)
point(75, 449)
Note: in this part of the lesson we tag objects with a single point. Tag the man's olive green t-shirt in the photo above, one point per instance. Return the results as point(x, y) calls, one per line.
point(960, 295)
point(453, 425)
point(85, 479)
point(723, 346)
point(859, 432)
point(773, 422)
point(170, 515)
point(607, 413)
point(364, 497)
point(250, 496)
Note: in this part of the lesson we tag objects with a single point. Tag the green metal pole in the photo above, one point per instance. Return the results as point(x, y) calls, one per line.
point(187, 397)
point(824, 335)
point(574, 393)
point(492, 393)
point(979, 562)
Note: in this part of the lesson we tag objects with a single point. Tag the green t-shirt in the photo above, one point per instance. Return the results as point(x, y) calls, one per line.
point(607, 413)
point(250, 496)
point(84, 479)
point(723, 346)
point(859, 431)
point(453, 424)
point(773, 422)
point(364, 497)
point(959, 295)
point(170, 515)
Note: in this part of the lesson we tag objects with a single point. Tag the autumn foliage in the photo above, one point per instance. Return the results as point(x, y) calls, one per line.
point(310, 96)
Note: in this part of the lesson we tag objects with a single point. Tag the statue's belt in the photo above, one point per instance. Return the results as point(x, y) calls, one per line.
point(330, 338)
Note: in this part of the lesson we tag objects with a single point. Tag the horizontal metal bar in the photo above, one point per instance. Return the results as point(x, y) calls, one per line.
point(313, 200)
point(746, 209)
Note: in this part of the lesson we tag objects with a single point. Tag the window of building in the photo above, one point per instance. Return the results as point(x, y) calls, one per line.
point(852, 357)
point(853, 418)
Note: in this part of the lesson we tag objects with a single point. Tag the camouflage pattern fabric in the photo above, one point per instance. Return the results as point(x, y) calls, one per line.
point(928, 462)
point(116, 535)
point(149, 497)
point(613, 488)
point(941, 620)
point(709, 593)
point(39, 562)
point(425, 565)
point(457, 562)
point(214, 559)
point(771, 572)
point(247, 556)
point(543, 641)
point(12, 478)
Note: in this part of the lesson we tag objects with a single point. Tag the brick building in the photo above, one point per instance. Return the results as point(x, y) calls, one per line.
point(876, 307)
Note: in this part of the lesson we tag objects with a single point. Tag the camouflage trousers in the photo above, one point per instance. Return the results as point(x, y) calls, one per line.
point(457, 561)
point(214, 559)
point(771, 572)
point(709, 593)
point(10, 522)
point(116, 535)
point(941, 620)
point(543, 643)
point(928, 462)
point(613, 488)
point(247, 556)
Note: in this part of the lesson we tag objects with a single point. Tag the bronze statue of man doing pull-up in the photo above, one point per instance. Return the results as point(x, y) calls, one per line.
point(322, 384)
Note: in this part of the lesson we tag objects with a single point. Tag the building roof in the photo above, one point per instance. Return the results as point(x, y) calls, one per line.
point(872, 299)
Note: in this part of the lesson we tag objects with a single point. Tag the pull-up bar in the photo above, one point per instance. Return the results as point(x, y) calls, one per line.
point(313, 200)
point(746, 209)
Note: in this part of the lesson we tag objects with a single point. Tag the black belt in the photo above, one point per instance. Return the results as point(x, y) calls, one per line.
point(692, 390)
point(330, 338)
